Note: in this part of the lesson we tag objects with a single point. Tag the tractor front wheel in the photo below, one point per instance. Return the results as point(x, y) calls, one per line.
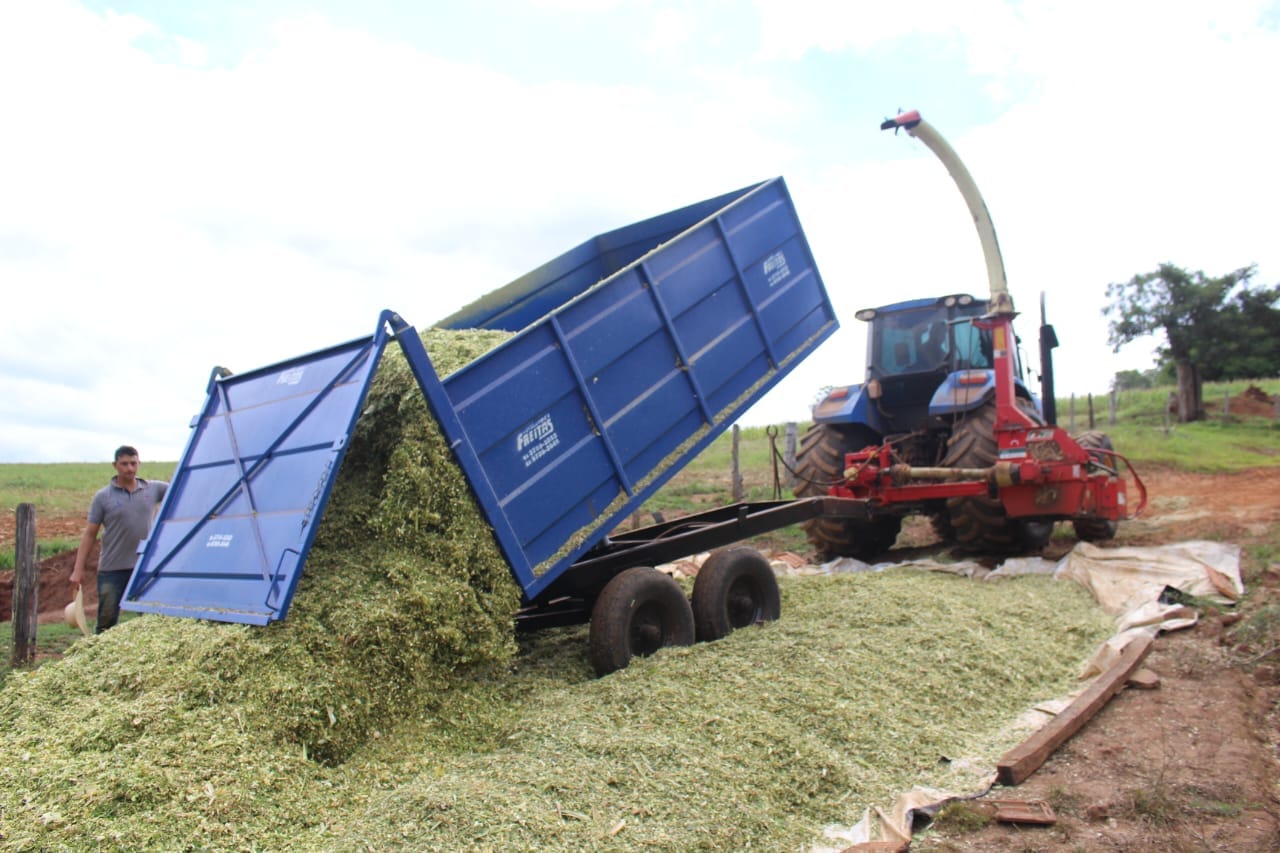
point(980, 522)
point(819, 465)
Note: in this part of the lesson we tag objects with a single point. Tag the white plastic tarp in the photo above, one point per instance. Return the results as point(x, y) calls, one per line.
point(1127, 582)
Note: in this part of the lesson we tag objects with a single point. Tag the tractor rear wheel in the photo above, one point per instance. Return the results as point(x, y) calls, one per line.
point(819, 465)
point(638, 612)
point(980, 522)
point(734, 588)
point(1094, 529)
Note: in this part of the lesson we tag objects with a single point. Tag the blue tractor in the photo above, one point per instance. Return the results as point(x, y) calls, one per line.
point(944, 398)
point(930, 394)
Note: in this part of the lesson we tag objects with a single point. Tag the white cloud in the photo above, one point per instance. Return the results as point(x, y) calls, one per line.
point(671, 27)
point(166, 218)
point(790, 28)
point(162, 214)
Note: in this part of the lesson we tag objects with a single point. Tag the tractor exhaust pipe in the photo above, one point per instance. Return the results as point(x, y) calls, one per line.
point(1048, 340)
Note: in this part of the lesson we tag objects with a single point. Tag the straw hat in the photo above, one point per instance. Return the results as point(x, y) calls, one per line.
point(75, 612)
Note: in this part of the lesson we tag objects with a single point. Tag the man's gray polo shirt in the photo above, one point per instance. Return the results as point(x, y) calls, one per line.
point(126, 520)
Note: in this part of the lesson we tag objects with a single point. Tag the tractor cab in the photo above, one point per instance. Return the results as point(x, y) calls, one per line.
point(913, 348)
point(926, 337)
point(926, 363)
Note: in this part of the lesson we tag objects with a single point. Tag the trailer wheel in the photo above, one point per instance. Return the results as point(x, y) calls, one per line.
point(980, 522)
point(734, 588)
point(1095, 529)
point(819, 464)
point(638, 612)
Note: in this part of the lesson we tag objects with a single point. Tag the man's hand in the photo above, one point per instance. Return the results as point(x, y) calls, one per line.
point(82, 555)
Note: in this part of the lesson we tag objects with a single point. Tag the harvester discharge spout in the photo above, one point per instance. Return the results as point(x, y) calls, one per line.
point(917, 127)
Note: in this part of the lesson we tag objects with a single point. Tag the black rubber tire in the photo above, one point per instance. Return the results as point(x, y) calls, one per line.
point(1094, 529)
point(980, 522)
point(819, 463)
point(638, 612)
point(734, 588)
point(940, 521)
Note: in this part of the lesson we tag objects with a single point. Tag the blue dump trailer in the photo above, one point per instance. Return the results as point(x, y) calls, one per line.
point(632, 352)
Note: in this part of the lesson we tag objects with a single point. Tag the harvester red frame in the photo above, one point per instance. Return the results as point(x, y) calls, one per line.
point(1041, 472)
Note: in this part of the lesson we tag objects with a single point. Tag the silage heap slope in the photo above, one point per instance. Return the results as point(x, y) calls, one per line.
point(166, 723)
point(869, 685)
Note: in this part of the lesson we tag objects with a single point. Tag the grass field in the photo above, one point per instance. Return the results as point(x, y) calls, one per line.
point(65, 487)
point(59, 489)
point(45, 548)
point(54, 639)
point(1146, 434)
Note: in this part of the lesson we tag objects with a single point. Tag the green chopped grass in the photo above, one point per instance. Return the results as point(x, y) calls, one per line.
point(759, 740)
point(868, 685)
point(164, 723)
point(395, 709)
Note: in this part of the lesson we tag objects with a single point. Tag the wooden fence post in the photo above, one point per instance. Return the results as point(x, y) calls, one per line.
point(1111, 412)
point(26, 588)
point(791, 454)
point(1091, 423)
point(736, 472)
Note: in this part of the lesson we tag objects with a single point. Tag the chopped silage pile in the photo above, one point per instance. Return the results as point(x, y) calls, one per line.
point(393, 708)
point(165, 728)
point(864, 688)
point(869, 684)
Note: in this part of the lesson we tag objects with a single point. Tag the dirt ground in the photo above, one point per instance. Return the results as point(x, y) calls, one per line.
point(1191, 765)
point(1188, 766)
point(55, 590)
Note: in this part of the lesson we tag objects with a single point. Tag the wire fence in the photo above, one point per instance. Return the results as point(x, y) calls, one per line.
point(1246, 403)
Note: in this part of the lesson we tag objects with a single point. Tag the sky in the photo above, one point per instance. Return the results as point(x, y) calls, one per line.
point(237, 183)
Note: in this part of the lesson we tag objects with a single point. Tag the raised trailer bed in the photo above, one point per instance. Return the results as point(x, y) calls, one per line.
point(634, 351)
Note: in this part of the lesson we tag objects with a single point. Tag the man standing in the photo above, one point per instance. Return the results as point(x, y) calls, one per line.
point(125, 506)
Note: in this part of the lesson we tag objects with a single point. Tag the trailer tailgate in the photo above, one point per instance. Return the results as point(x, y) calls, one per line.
point(233, 531)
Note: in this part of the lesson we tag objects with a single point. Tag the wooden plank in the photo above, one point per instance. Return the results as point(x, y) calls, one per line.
point(1023, 760)
point(1036, 812)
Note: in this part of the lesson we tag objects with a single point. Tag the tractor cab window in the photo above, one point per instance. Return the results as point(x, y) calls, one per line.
point(912, 342)
point(930, 339)
point(973, 346)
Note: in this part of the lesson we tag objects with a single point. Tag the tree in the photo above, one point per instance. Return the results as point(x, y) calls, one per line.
point(1190, 308)
point(1129, 380)
point(1247, 345)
